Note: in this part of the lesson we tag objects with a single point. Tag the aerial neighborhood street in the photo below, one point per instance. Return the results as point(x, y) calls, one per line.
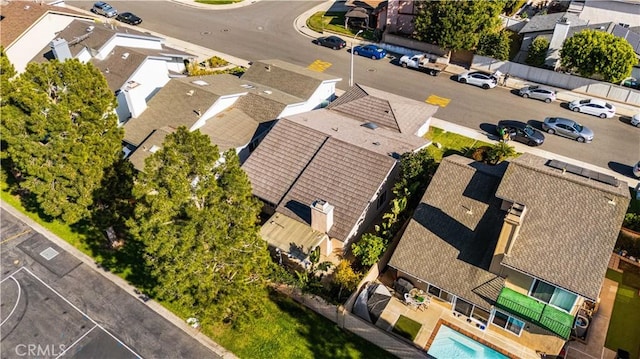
point(307, 179)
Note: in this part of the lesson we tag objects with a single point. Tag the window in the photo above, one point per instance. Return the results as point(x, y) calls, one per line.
point(507, 322)
point(439, 293)
point(480, 315)
point(382, 199)
point(553, 295)
point(463, 307)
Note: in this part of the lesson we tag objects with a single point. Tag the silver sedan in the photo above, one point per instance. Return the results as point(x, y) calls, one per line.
point(567, 128)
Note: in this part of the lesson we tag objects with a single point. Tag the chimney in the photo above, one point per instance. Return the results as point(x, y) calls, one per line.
point(135, 98)
point(560, 33)
point(321, 216)
point(60, 49)
point(508, 235)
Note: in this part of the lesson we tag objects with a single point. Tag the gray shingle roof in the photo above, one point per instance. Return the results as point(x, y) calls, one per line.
point(232, 128)
point(450, 240)
point(548, 22)
point(385, 109)
point(570, 227)
point(153, 142)
point(347, 129)
point(295, 165)
point(288, 78)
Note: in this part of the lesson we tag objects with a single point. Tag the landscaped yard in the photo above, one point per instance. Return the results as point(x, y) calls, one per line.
point(287, 331)
point(451, 143)
point(407, 327)
point(334, 22)
point(624, 326)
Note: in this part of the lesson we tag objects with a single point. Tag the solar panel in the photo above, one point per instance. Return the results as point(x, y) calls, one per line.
point(583, 172)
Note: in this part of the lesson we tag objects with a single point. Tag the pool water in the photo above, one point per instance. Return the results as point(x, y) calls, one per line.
point(451, 344)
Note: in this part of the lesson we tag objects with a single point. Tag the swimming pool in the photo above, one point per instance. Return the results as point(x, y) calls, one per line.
point(450, 344)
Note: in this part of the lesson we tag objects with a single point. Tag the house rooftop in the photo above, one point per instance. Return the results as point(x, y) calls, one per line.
point(548, 22)
point(148, 147)
point(450, 240)
point(291, 236)
point(296, 165)
point(18, 16)
point(571, 225)
point(287, 78)
point(393, 112)
point(377, 139)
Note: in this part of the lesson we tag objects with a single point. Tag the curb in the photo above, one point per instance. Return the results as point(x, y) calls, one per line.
point(213, 7)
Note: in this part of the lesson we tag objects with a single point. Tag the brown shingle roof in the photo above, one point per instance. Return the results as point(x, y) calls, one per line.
point(570, 227)
point(18, 16)
point(152, 143)
point(450, 240)
point(280, 159)
point(384, 109)
point(288, 78)
point(232, 128)
point(295, 165)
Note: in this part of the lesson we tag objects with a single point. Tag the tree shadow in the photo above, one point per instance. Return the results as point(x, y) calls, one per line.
point(621, 168)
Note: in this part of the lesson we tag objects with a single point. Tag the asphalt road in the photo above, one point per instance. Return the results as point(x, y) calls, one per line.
point(265, 30)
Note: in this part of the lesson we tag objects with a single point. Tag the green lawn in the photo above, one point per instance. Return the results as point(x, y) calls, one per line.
point(624, 326)
point(334, 22)
point(452, 143)
point(407, 327)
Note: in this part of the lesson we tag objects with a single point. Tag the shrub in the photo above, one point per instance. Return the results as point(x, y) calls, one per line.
point(537, 52)
point(369, 249)
point(217, 62)
point(632, 221)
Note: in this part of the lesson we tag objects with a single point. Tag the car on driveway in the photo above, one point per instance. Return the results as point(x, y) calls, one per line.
point(372, 51)
point(594, 107)
point(539, 93)
point(567, 128)
point(129, 18)
point(104, 9)
point(478, 78)
point(333, 42)
point(521, 132)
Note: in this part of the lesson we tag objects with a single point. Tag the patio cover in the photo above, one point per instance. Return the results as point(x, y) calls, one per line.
point(290, 236)
point(357, 13)
point(371, 302)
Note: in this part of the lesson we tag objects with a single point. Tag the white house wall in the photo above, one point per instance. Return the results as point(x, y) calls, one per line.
point(84, 55)
point(128, 41)
point(220, 105)
point(123, 108)
point(323, 94)
point(36, 38)
point(152, 75)
point(176, 66)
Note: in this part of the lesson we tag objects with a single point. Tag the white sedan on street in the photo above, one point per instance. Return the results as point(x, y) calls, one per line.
point(478, 78)
point(594, 107)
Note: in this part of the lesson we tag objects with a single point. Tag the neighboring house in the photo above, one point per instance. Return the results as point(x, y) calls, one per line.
point(236, 112)
point(520, 248)
point(29, 26)
point(623, 12)
point(128, 59)
point(400, 16)
point(332, 170)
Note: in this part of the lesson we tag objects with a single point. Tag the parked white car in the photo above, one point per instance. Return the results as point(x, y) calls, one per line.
point(636, 170)
point(594, 107)
point(478, 78)
point(635, 120)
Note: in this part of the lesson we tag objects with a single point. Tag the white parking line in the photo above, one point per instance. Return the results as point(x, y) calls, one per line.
point(76, 342)
point(12, 274)
point(81, 312)
point(17, 301)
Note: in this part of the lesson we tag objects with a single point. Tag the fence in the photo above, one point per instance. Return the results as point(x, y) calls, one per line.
point(360, 327)
point(558, 79)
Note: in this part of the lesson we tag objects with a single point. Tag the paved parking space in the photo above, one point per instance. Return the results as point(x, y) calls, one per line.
point(53, 305)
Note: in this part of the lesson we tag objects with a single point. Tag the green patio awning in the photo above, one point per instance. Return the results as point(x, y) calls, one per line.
point(536, 312)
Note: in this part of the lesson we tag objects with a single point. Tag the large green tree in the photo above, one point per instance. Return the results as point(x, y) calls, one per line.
point(591, 52)
point(456, 25)
point(61, 134)
point(495, 44)
point(197, 219)
point(537, 52)
point(7, 71)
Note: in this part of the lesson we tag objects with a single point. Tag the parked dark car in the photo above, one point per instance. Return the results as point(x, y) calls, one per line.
point(333, 42)
point(129, 18)
point(521, 132)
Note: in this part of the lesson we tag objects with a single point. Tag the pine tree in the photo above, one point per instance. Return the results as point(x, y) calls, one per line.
point(197, 218)
point(61, 135)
